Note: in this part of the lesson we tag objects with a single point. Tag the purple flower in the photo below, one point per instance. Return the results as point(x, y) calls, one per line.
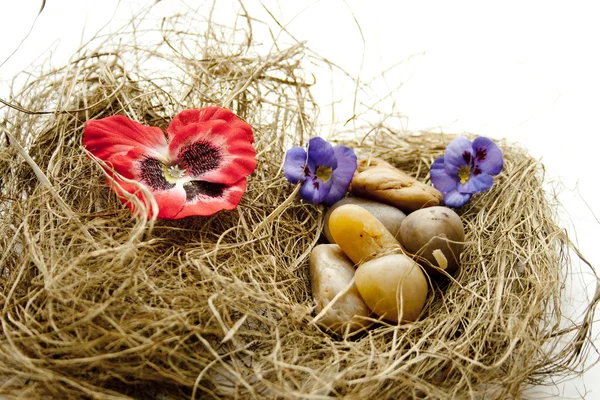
point(465, 169)
point(325, 171)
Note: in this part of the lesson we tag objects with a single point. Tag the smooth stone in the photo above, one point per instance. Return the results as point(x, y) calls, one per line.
point(330, 273)
point(389, 216)
point(376, 179)
point(393, 286)
point(428, 232)
point(359, 233)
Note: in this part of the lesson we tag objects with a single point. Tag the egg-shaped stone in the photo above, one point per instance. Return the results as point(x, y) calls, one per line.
point(389, 216)
point(437, 235)
point(330, 273)
point(393, 286)
point(359, 233)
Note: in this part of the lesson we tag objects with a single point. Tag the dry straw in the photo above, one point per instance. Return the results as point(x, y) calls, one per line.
point(96, 303)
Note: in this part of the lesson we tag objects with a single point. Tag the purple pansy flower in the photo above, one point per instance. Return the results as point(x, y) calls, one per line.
point(325, 171)
point(465, 169)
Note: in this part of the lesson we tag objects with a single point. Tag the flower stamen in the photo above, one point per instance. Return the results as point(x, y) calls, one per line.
point(323, 173)
point(173, 173)
point(464, 172)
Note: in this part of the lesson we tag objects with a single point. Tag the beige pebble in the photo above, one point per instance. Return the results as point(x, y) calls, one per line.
point(330, 273)
point(389, 216)
point(376, 179)
point(393, 286)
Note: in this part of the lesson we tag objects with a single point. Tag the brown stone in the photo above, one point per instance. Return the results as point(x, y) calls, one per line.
point(434, 230)
point(377, 180)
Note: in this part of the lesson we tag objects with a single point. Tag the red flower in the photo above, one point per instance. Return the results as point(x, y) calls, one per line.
point(198, 168)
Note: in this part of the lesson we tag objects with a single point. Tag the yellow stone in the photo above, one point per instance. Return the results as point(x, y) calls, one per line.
point(393, 287)
point(390, 216)
point(359, 233)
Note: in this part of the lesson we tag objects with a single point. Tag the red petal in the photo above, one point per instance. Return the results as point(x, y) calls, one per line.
point(238, 157)
point(120, 141)
point(124, 165)
point(170, 202)
point(206, 205)
point(193, 116)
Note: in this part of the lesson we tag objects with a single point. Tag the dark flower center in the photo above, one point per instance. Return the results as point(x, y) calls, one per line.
point(151, 173)
point(480, 154)
point(306, 171)
point(195, 189)
point(467, 157)
point(199, 157)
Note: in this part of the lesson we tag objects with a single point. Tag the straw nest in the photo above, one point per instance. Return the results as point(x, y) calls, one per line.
point(97, 303)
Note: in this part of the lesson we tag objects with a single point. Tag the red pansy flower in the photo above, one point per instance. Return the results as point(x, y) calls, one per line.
point(198, 167)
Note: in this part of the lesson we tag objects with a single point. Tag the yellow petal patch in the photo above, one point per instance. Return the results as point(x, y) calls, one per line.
point(464, 173)
point(323, 173)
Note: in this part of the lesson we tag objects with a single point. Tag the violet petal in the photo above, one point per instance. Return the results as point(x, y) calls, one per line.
point(342, 175)
point(314, 190)
point(476, 184)
point(455, 199)
point(320, 153)
point(294, 163)
point(488, 156)
point(458, 153)
point(440, 178)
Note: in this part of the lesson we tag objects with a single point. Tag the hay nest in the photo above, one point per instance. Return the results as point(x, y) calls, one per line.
point(97, 303)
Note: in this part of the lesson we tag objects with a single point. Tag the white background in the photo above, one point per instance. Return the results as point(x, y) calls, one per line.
point(527, 71)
